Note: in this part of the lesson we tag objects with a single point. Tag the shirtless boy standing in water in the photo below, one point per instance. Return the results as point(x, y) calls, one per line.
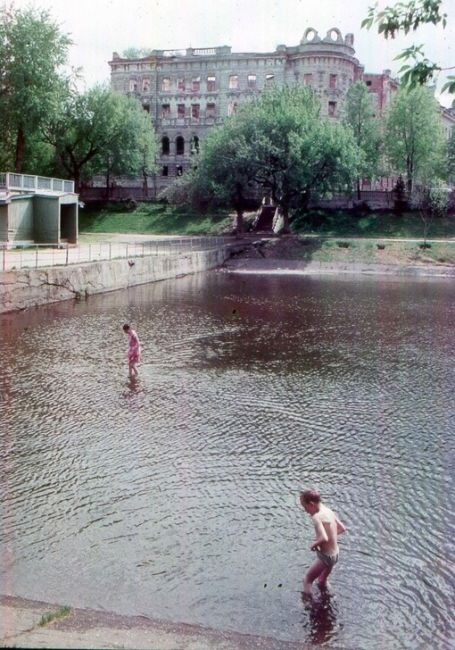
point(327, 528)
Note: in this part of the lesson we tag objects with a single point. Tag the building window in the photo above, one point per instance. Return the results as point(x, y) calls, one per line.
point(165, 146)
point(269, 79)
point(180, 111)
point(196, 84)
point(179, 145)
point(308, 79)
point(233, 81)
point(194, 145)
point(146, 107)
point(133, 86)
point(211, 81)
point(146, 85)
point(252, 81)
point(165, 84)
point(165, 171)
point(165, 110)
point(179, 170)
point(368, 83)
point(195, 110)
point(332, 109)
point(232, 108)
point(181, 84)
point(333, 81)
point(210, 110)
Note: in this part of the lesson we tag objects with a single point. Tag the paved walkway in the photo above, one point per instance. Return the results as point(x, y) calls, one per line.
point(21, 626)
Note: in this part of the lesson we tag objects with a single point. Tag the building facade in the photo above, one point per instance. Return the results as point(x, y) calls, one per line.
point(188, 91)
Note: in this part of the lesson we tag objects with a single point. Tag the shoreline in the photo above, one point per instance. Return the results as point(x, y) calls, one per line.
point(284, 266)
point(21, 625)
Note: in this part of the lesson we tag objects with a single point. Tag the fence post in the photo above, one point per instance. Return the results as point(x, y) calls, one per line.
point(67, 249)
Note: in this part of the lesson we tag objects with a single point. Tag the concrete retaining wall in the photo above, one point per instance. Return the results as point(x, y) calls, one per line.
point(32, 287)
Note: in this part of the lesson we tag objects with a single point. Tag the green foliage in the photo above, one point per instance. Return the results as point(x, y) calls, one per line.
point(32, 53)
point(278, 143)
point(359, 116)
point(136, 52)
point(451, 157)
point(405, 17)
point(414, 141)
point(52, 616)
point(102, 131)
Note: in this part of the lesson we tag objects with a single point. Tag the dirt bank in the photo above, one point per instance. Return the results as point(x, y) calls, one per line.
point(34, 624)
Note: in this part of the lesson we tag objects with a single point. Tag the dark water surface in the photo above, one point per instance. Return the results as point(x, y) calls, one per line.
point(175, 497)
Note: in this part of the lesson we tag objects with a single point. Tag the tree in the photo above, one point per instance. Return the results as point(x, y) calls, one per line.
point(359, 116)
point(451, 157)
point(432, 202)
point(413, 135)
point(32, 53)
point(101, 131)
point(136, 52)
point(404, 17)
point(292, 151)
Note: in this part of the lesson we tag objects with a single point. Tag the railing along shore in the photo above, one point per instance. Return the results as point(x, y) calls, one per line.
point(34, 256)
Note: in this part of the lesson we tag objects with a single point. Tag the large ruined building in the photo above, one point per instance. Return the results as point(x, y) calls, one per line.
point(187, 91)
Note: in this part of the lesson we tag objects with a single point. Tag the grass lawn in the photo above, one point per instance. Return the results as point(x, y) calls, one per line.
point(152, 218)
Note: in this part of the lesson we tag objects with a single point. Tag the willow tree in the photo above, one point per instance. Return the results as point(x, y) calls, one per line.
point(359, 116)
point(414, 141)
point(293, 152)
point(102, 132)
point(33, 52)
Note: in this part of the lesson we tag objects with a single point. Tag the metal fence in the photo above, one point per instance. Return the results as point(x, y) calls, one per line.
point(42, 255)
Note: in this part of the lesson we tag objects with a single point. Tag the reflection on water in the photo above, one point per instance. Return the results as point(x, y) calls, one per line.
point(174, 495)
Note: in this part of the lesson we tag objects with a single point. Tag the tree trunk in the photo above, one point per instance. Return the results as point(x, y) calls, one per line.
point(108, 178)
point(359, 196)
point(145, 188)
point(285, 213)
point(20, 146)
point(239, 229)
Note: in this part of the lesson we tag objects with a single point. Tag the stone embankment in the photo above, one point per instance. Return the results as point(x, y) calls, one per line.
point(24, 288)
point(33, 624)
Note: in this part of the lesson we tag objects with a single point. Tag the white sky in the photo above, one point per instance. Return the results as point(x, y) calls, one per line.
point(100, 27)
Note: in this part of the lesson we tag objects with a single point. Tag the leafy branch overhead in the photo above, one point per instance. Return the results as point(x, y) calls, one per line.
point(406, 17)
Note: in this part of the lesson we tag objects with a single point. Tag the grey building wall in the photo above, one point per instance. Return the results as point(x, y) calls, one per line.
point(46, 219)
point(4, 223)
point(20, 219)
point(189, 91)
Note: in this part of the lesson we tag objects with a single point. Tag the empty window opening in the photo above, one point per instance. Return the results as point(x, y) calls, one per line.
point(252, 81)
point(179, 170)
point(179, 145)
point(180, 111)
point(211, 81)
point(146, 85)
point(165, 146)
point(269, 79)
point(165, 110)
point(165, 171)
point(308, 79)
point(195, 110)
point(194, 144)
point(133, 86)
point(333, 80)
point(233, 81)
point(166, 84)
point(196, 84)
point(180, 84)
point(210, 110)
point(332, 109)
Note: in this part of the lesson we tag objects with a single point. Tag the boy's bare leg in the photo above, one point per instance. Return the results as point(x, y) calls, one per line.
point(322, 579)
point(313, 572)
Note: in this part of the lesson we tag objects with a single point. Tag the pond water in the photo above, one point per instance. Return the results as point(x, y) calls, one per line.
point(175, 496)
